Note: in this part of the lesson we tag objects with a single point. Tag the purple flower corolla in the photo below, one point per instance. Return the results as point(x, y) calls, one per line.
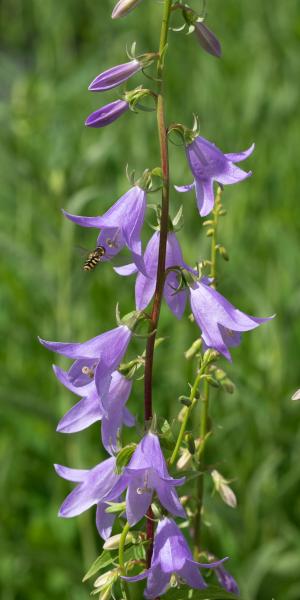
point(207, 39)
point(226, 580)
point(93, 485)
point(209, 164)
point(102, 354)
point(110, 408)
point(147, 472)
point(171, 557)
point(220, 322)
point(115, 76)
point(126, 216)
point(145, 286)
point(123, 7)
point(107, 114)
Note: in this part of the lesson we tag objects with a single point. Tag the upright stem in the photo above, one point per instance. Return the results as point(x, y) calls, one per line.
point(164, 222)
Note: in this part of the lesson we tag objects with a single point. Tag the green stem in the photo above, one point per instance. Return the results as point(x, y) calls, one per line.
point(193, 400)
point(121, 548)
point(164, 223)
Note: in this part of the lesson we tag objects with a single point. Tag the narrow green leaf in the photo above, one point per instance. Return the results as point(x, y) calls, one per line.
point(102, 561)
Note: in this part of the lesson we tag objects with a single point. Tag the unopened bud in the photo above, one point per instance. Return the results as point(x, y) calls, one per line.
point(228, 386)
point(210, 232)
point(194, 348)
point(114, 541)
point(190, 443)
point(105, 579)
point(106, 594)
point(223, 252)
point(221, 486)
point(212, 381)
point(296, 395)
point(123, 7)
point(185, 400)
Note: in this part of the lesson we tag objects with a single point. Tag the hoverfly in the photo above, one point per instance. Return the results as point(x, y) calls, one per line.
point(94, 258)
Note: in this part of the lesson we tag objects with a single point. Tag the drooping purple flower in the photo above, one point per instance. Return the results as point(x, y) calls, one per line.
point(145, 286)
point(226, 580)
point(207, 39)
point(107, 114)
point(123, 7)
point(171, 557)
point(93, 485)
point(209, 164)
point(110, 408)
point(115, 76)
point(147, 472)
point(220, 322)
point(101, 354)
point(126, 216)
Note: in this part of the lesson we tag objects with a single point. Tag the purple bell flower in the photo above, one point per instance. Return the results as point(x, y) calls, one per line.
point(107, 114)
point(171, 558)
point(147, 472)
point(145, 286)
point(209, 164)
point(220, 322)
point(226, 580)
point(110, 408)
point(93, 485)
point(101, 355)
point(123, 7)
point(115, 76)
point(126, 218)
point(207, 39)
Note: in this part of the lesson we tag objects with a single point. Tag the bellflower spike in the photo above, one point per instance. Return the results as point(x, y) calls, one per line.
point(147, 472)
point(126, 216)
point(123, 7)
point(101, 354)
point(107, 114)
point(171, 557)
point(93, 485)
point(209, 164)
point(115, 76)
point(220, 322)
point(110, 408)
point(145, 286)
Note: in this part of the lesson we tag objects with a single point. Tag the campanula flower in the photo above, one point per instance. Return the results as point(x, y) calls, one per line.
point(123, 7)
point(101, 354)
point(209, 164)
point(127, 217)
point(115, 76)
point(220, 322)
point(147, 472)
point(110, 408)
point(171, 558)
point(145, 286)
point(107, 114)
point(93, 485)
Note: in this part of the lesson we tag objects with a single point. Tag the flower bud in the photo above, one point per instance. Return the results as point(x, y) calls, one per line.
point(107, 114)
point(221, 486)
point(123, 7)
point(115, 76)
point(207, 39)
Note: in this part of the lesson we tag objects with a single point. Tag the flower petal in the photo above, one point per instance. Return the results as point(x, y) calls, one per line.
point(75, 475)
point(169, 499)
point(104, 520)
point(126, 270)
point(185, 188)
point(82, 415)
point(205, 196)
point(137, 503)
point(239, 156)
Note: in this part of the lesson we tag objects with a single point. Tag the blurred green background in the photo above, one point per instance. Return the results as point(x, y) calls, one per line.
point(50, 51)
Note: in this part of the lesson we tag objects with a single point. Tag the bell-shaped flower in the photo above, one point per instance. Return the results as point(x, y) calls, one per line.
point(127, 217)
point(146, 473)
point(93, 486)
point(220, 322)
point(123, 7)
point(145, 286)
point(101, 354)
point(171, 559)
point(110, 408)
point(209, 164)
point(115, 76)
point(107, 114)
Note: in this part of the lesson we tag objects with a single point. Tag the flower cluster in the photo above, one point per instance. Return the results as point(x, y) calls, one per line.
point(97, 374)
